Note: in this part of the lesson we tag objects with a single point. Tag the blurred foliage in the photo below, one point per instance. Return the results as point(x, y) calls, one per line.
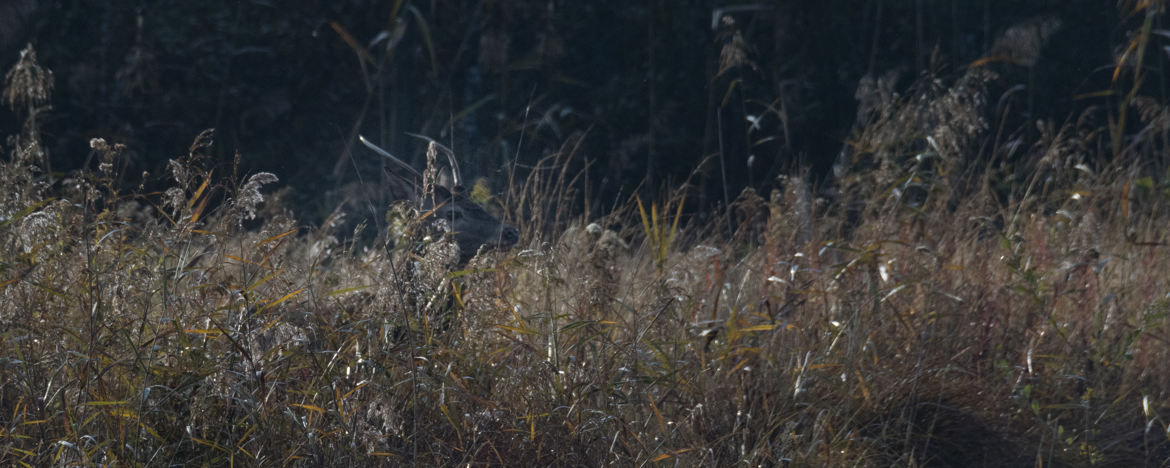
point(655, 87)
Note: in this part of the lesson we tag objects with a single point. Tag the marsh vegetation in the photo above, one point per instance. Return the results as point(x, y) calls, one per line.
point(961, 292)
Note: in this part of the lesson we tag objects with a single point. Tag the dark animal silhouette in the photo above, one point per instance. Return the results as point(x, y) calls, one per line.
point(444, 203)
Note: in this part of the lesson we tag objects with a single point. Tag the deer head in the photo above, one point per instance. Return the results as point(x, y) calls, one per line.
point(444, 203)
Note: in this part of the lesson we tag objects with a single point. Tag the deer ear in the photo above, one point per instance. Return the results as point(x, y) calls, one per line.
point(450, 182)
point(400, 189)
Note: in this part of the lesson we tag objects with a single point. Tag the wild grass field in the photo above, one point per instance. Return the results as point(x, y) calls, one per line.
point(961, 294)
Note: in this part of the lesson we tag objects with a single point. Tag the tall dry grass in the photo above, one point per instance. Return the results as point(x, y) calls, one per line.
point(969, 296)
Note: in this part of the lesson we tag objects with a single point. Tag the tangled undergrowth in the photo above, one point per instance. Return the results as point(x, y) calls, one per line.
point(948, 308)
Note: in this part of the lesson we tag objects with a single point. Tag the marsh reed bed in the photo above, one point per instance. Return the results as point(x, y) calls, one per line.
point(960, 294)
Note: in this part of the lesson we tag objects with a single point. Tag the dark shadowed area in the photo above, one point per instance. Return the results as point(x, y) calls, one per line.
point(654, 87)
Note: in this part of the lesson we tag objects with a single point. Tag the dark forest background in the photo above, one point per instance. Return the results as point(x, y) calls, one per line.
point(642, 92)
